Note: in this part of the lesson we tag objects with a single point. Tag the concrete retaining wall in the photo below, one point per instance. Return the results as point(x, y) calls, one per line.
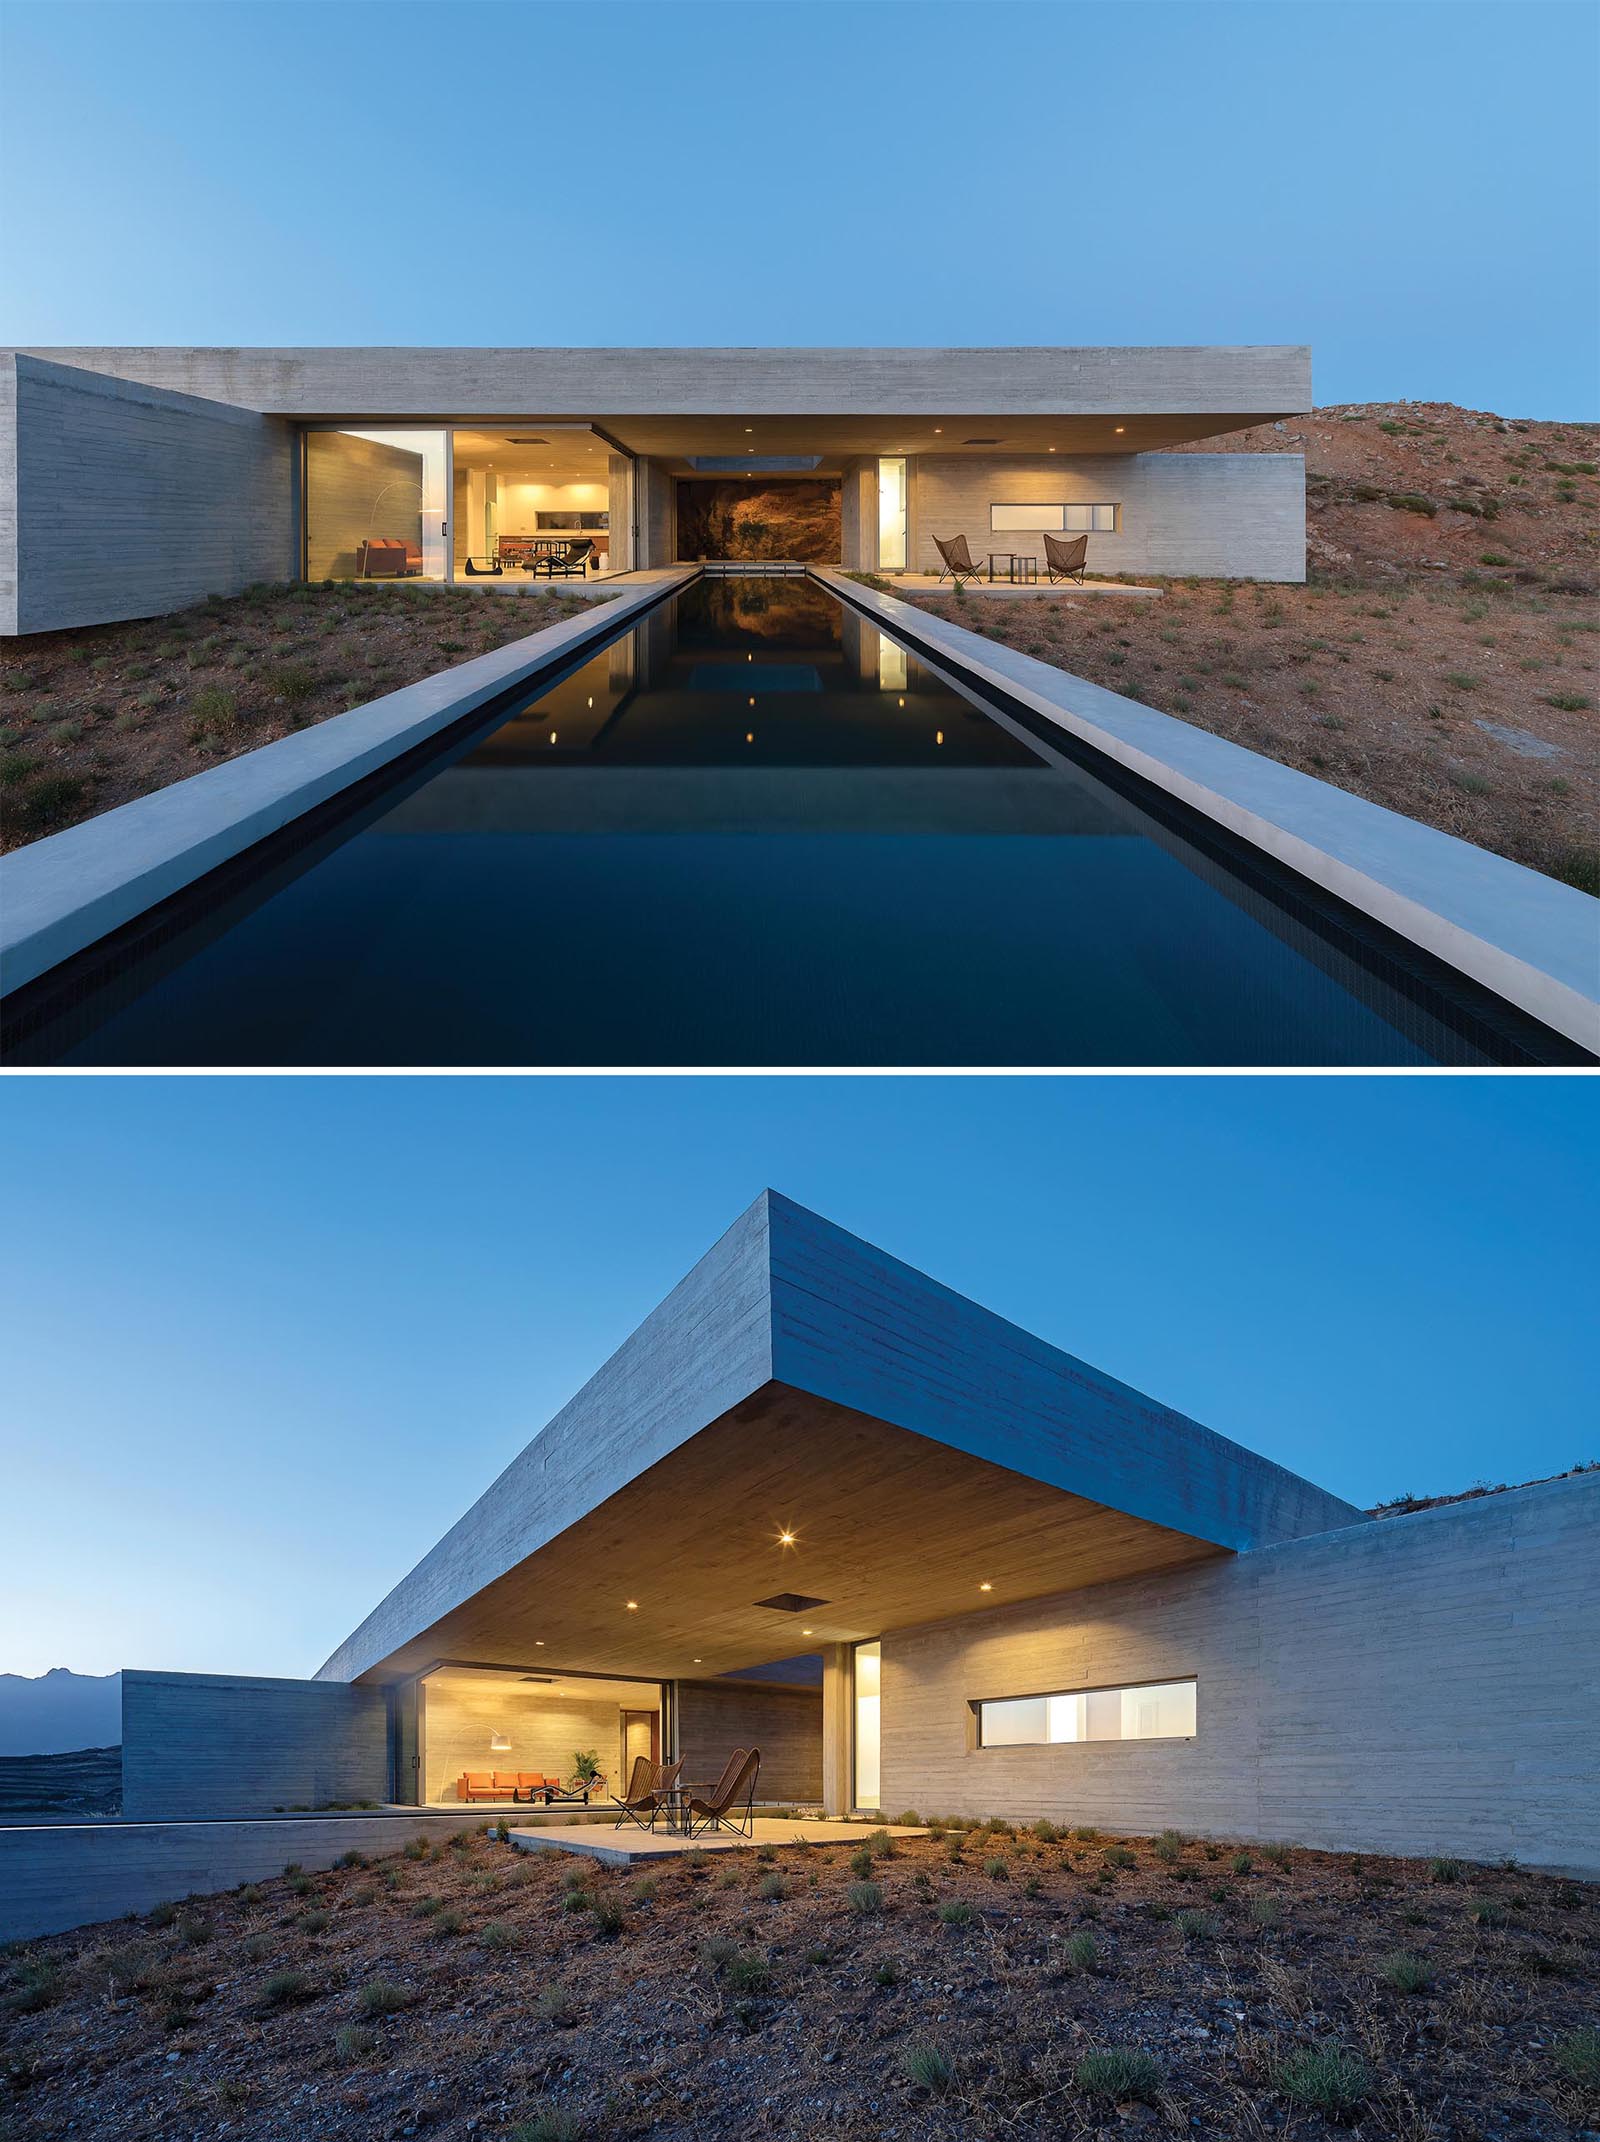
point(1425, 1684)
point(64, 1876)
point(130, 501)
point(214, 1744)
point(1228, 516)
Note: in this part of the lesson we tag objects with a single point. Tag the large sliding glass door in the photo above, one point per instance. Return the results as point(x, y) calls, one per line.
point(892, 516)
point(376, 505)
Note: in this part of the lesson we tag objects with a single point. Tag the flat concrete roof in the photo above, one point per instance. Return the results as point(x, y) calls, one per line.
point(928, 1457)
point(795, 400)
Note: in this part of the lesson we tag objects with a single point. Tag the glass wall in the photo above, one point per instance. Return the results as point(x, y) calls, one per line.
point(1155, 1710)
point(869, 1667)
point(486, 1732)
point(891, 516)
point(532, 502)
point(375, 505)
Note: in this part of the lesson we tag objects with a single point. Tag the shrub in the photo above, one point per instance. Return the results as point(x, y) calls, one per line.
point(773, 1887)
point(1411, 502)
point(36, 1985)
point(1444, 1870)
point(554, 2124)
point(446, 1923)
point(1081, 1951)
point(1241, 1863)
point(608, 1918)
point(1459, 680)
point(300, 1885)
point(1569, 702)
point(1118, 2073)
point(1578, 2057)
point(1198, 1925)
point(417, 1848)
point(293, 682)
point(1487, 1911)
point(1118, 1856)
point(748, 1972)
point(212, 712)
point(1168, 1847)
point(351, 1859)
point(927, 2067)
point(998, 1870)
point(861, 1861)
point(1278, 1854)
point(908, 1820)
point(161, 1914)
point(1086, 1836)
point(382, 1997)
point(718, 1950)
point(1046, 1831)
point(1406, 1973)
point(881, 1845)
point(1266, 1911)
point(193, 1931)
point(314, 1922)
point(556, 2006)
point(284, 1987)
point(955, 1911)
point(1326, 2079)
point(354, 2041)
point(865, 1897)
point(887, 1973)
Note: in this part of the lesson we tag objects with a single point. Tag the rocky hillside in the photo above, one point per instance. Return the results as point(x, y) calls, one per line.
point(1415, 487)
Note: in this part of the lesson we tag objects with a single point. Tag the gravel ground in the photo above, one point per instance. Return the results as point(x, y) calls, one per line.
point(1444, 657)
point(477, 1991)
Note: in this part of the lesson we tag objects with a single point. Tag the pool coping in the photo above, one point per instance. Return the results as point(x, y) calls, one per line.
point(62, 894)
point(1529, 939)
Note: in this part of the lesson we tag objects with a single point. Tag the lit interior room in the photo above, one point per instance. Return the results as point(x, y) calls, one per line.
point(495, 1728)
point(532, 502)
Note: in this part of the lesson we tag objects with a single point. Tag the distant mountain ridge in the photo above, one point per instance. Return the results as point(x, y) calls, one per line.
point(58, 1712)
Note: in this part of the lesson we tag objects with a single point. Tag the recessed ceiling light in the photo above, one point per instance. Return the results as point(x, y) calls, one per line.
point(538, 1643)
point(785, 1537)
point(1050, 449)
point(633, 1604)
point(1121, 428)
point(806, 1632)
point(697, 1662)
point(937, 430)
point(986, 1587)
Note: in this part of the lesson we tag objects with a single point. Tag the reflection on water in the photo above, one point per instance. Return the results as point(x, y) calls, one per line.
point(753, 830)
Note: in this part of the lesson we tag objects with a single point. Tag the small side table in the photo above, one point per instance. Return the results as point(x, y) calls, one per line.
point(1018, 565)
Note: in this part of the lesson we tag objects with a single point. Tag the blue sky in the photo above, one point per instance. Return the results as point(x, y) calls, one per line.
point(1411, 189)
point(266, 1339)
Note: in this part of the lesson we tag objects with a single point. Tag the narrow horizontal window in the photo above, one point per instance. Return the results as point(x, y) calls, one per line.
point(1056, 520)
point(1154, 1710)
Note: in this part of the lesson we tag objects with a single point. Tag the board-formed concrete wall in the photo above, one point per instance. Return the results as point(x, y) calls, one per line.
point(130, 501)
point(218, 1744)
point(1423, 1684)
point(59, 1875)
point(714, 1718)
point(1229, 516)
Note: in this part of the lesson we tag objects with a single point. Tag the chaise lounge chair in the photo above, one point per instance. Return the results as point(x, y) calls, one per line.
point(576, 1792)
point(957, 558)
point(731, 1803)
point(571, 558)
point(1066, 561)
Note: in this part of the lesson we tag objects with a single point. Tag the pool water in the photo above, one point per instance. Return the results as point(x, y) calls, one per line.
point(755, 830)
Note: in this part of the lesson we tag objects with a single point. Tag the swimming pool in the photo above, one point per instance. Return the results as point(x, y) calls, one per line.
point(754, 829)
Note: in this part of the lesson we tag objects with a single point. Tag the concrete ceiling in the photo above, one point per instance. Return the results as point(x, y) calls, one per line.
point(890, 1529)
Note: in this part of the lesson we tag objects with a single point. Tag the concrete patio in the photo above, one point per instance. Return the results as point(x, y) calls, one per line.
point(628, 1846)
point(930, 584)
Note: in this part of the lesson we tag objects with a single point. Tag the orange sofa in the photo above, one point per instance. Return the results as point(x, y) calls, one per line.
point(502, 1784)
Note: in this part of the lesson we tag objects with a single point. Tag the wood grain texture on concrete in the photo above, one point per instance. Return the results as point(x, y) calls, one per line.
point(580, 384)
point(72, 1874)
point(130, 500)
point(702, 1350)
point(799, 1374)
point(217, 1744)
point(1223, 516)
point(1419, 1685)
point(715, 1717)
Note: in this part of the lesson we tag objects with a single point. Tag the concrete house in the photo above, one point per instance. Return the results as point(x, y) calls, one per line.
point(819, 1503)
point(135, 481)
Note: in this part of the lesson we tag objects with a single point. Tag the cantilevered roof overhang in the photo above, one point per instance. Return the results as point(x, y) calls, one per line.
point(927, 1457)
point(672, 403)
